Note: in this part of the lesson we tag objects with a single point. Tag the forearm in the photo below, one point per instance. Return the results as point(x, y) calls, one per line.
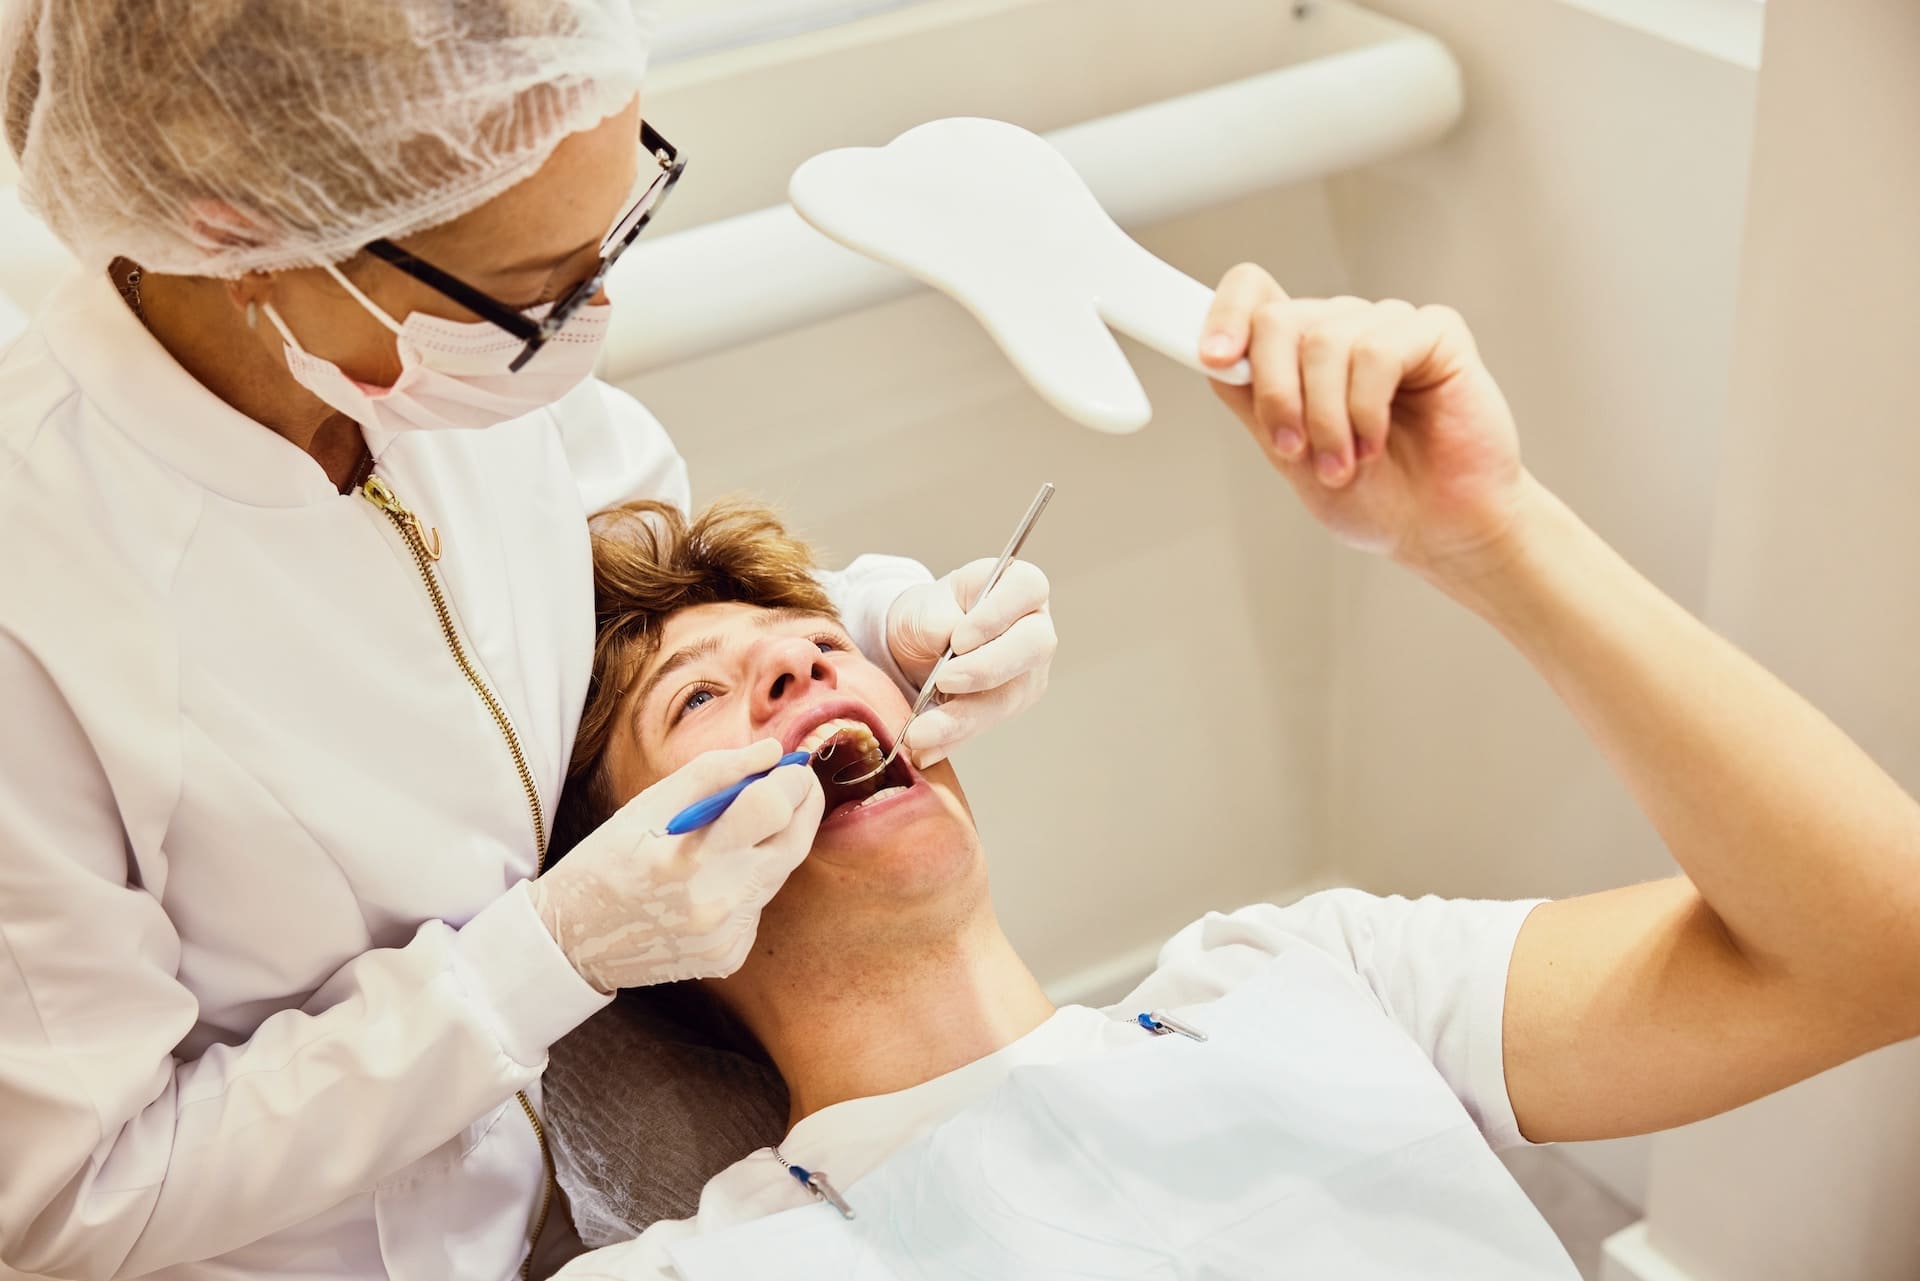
point(415, 1043)
point(1804, 849)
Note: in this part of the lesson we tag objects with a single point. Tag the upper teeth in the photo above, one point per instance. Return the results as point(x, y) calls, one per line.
point(856, 730)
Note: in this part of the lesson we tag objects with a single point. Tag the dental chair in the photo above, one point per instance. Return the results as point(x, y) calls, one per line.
point(648, 1100)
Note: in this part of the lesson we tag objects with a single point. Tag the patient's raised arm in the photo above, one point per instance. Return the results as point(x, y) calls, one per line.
point(1793, 941)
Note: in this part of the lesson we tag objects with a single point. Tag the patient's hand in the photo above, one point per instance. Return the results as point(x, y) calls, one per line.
point(1382, 416)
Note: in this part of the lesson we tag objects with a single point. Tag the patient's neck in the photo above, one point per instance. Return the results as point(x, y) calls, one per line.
point(859, 1025)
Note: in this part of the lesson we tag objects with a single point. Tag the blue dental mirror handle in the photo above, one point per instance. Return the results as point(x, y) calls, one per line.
point(701, 813)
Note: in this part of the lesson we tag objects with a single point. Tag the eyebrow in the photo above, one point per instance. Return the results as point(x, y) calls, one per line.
point(686, 654)
point(708, 646)
point(772, 618)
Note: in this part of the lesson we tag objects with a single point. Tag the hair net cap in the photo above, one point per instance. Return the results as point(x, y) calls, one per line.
point(217, 137)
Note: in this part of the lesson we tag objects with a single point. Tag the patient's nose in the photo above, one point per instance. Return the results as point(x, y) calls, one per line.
point(790, 668)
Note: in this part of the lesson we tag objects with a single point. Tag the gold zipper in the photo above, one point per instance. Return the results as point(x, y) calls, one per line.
point(424, 542)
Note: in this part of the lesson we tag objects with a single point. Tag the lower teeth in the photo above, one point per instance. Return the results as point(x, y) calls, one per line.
point(880, 795)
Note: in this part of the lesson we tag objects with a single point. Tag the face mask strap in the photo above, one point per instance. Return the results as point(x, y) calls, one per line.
point(273, 313)
point(373, 308)
point(273, 316)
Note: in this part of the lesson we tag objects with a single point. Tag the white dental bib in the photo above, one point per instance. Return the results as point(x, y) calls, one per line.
point(1308, 1137)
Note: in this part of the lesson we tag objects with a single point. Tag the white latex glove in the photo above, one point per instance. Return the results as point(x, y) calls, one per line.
point(631, 908)
point(1002, 648)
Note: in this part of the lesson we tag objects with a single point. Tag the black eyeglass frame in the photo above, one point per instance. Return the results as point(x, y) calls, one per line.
point(512, 319)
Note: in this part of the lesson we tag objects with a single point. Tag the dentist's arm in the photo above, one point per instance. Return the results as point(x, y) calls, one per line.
point(121, 1155)
point(1793, 942)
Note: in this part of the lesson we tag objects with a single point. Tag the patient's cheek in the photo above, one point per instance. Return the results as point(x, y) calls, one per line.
point(943, 777)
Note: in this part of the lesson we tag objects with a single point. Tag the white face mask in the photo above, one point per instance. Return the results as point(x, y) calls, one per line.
point(452, 373)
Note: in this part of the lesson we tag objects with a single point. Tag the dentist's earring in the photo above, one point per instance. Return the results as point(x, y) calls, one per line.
point(253, 315)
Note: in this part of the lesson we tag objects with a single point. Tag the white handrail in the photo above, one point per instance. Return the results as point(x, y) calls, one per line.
point(758, 274)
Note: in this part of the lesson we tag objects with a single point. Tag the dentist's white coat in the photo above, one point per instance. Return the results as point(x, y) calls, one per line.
point(269, 977)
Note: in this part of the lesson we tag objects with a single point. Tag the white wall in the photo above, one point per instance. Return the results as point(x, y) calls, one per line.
point(1586, 219)
point(692, 28)
point(1816, 554)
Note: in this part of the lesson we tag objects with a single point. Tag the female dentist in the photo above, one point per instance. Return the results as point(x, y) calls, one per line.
point(295, 628)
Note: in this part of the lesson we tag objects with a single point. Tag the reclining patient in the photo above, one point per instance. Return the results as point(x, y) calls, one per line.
point(1314, 1090)
point(1352, 1059)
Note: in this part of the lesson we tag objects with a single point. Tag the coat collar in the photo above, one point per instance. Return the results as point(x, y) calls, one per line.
point(124, 373)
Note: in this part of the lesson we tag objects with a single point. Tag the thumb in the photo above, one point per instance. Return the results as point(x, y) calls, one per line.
point(969, 582)
point(927, 616)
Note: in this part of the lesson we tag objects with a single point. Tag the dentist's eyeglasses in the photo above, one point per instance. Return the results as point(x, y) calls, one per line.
point(517, 322)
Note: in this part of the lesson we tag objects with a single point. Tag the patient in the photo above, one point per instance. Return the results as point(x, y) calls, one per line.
point(889, 999)
point(1313, 1090)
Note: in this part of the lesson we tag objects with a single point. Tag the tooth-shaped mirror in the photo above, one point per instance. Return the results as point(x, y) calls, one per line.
point(992, 215)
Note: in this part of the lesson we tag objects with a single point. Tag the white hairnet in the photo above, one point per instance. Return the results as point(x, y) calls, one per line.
point(217, 137)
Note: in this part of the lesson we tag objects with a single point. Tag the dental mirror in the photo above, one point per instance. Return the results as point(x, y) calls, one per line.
point(993, 216)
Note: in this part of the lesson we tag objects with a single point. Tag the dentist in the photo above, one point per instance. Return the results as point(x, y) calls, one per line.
point(296, 621)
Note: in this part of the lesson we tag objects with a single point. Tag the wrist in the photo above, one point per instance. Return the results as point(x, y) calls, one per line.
point(1480, 574)
point(547, 909)
point(511, 965)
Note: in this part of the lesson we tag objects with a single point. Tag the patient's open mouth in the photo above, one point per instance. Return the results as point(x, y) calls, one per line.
point(845, 746)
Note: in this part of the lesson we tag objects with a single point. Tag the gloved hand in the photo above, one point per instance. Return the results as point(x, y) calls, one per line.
point(631, 908)
point(1002, 648)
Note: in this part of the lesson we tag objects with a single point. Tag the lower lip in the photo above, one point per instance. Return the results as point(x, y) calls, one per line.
point(915, 794)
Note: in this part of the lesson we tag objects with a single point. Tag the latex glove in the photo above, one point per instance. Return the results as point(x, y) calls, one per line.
point(1002, 648)
point(1381, 414)
point(631, 908)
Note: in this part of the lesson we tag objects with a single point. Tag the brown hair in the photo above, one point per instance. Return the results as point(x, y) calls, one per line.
point(651, 561)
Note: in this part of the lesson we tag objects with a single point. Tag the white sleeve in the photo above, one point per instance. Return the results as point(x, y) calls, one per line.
point(617, 450)
point(1438, 968)
point(121, 1159)
point(862, 593)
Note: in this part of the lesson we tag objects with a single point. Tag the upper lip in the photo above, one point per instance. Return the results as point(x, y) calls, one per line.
point(837, 709)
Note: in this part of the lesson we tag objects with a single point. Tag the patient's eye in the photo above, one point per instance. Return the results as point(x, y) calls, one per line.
point(828, 643)
point(696, 698)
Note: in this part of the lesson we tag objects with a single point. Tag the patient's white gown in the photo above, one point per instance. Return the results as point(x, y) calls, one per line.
point(1338, 1121)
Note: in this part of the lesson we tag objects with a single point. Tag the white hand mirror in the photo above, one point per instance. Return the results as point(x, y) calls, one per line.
point(992, 215)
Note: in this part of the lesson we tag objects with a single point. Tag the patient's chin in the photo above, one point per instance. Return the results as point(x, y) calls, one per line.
point(852, 897)
point(908, 849)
